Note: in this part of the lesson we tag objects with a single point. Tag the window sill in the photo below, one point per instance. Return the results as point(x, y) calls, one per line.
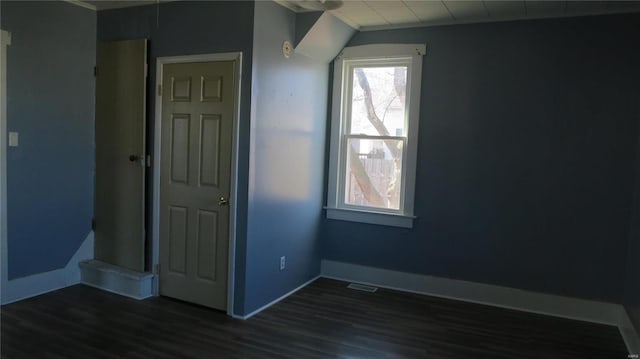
point(384, 219)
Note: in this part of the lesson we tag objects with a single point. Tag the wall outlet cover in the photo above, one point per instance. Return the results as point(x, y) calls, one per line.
point(13, 139)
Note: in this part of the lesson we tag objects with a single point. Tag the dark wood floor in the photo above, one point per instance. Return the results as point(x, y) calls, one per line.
point(324, 320)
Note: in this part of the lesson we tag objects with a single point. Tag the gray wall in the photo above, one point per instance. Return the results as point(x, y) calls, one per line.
point(527, 142)
point(286, 175)
point(50, 103)
point(187, 28)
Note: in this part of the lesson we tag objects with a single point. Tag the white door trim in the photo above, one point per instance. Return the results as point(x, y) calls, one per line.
point(160, 62)
point(5, 41)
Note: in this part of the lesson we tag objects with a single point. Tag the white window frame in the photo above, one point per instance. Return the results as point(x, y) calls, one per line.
point(410, 55)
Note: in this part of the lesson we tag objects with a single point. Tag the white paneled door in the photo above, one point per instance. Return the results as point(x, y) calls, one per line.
point(195, 181)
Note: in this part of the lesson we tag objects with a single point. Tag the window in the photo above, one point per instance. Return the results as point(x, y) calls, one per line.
point(374, 133)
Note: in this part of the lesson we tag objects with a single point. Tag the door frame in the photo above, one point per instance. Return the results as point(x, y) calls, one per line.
point(160, 62)
point(5, 41)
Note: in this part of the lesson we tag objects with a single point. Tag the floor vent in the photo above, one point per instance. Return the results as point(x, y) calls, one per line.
point(364, 288)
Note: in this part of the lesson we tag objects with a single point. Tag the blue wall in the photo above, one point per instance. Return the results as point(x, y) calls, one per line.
point(50, 104)
point(187, 28)
point(525, 161)
point(286, 176)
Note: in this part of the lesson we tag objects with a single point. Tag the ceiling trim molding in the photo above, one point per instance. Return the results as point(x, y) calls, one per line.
point(82, 4)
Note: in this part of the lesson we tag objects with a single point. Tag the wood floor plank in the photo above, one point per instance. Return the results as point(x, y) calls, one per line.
point(323, 320)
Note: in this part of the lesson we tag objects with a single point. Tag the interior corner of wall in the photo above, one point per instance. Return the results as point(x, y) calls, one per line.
point(84, 252)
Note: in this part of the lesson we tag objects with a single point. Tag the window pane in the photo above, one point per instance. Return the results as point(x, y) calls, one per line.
point(378, 101)
point(373, 174)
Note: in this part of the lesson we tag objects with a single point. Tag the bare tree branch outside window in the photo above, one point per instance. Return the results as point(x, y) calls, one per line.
point(389, 198)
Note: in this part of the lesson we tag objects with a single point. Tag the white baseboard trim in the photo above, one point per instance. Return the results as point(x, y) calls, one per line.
point(504, 297)
point(118, 280)
point(497, 296)
point(27, 287)
point(629, 333)
point(247, 316)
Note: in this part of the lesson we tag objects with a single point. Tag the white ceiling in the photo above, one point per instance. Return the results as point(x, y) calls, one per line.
point(381, 14)
point(384, 14)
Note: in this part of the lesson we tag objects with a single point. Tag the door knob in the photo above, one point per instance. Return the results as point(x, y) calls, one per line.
point(222, 201)
point(136, 158)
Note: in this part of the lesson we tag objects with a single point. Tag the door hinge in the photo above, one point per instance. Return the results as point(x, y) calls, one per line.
point(148, 161)
point(146, 70)
point(95, 71)
point(160, 90)
point(93, 224)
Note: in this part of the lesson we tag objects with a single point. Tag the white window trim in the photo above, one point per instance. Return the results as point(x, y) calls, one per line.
point(336, 209)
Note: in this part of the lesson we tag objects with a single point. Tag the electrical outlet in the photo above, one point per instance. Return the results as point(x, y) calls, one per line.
point(13, 139)
point(282, 263)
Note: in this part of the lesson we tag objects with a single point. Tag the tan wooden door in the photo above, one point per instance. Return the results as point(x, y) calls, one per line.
point(195, 181)
point(120, 148)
